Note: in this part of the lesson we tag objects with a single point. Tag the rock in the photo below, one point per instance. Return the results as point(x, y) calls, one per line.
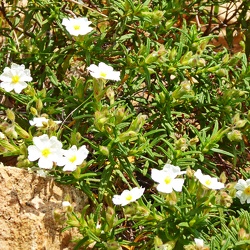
point(28, 202)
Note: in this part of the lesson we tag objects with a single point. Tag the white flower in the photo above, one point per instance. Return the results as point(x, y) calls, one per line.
point(41, 122)
point(208, 181)
point(128, 196)
point(73, 157)
point(104, 71)
point(199, 243)
point(47, 150)
point(66, 204)
point(243, 192)
point(167, 178)
point(38, 121)
point(77, 26)
point(15, 78)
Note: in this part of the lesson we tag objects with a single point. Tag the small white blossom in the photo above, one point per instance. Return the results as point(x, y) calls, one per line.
point(46, 150)
point(73, 157)
point(77, 26)
point(243, 192)
point(208, 181)
point(199, 243)
point(15, 78)
point(41, 122)
point(66, 204)
point(167, 178)
point(104, 71)
point(128, 196)
point(38, 121)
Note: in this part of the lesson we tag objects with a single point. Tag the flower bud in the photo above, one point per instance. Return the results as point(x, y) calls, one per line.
point(224, 199)
point(171, 69)
point(104, 150)
point(221, 72)
point(98, 87)
point(151, 58)
point(43, 93)
point(157, 241)
point(190, 172)
point(101, 117)
point(58, 215)
point(30, 91)
point(79, 89)
point(234, 135)
point(111, 95)
point(223, 177)
point(228, 109)
point(194, 140)
point(33, 111)
point(235, 59)
point(213, 69)
point(243, 235)
point(171, 199)
point(74, 222)
point(181, 144)
point(10, 115)
point(172, 54)
point(162, 97)
point(240, 123)
point(248, 115)
point(185, 58)
point(113, 245)
point(137, 124)
point(225, 59)
point(119, 115)
point(126, 136)
point(6, 146)
point(39, 105)
point(203, 45)
point(201, 62)
point(11, 132)
point(184, 88)
point(22, 162)
point(170, 245)
point(108, 129)
point(21, 132)
point(110, 216)
point(78, 136)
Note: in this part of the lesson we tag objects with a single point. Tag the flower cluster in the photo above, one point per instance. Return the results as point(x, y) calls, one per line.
point(48, 151)
point(168, 182)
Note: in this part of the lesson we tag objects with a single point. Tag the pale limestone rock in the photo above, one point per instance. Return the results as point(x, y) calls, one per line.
point(26, 212)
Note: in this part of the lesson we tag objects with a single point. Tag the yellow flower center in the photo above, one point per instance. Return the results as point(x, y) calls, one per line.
point(72, 159)
point(15, 79)
point(247, 190)
point(167, 180)
point(77, 27)
point(46, 152)
point(129, 197)
point(208, 182)
point(103, 74)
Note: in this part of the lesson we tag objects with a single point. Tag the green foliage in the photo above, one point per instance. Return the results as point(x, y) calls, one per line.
point(181, 100)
